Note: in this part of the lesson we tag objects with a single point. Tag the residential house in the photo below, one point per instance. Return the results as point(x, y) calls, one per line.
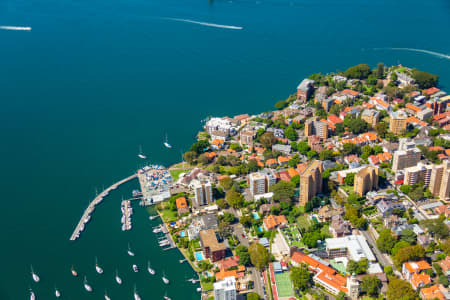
point(182, 205)
point(419, 280)
point(211, 247)
point(271, 222)
point(433, 292)
point(385, 208)
point(339, 227)
point(414, 267)
point(326, 213)
point(285, 149)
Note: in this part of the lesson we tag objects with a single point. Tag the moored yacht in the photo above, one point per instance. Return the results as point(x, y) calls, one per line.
point(118, 279)
point(87, 287)
point(166, 143)
point(34, 275)
point(136, 296)
point(149, 268)
point(74, 273)
point(165, 297)
point(32, 295)
point(57, 293)
point(130, 253)
point(97, 267)
point(166, 281)
point(140, 155)
point(135, 268)
point(106, 296)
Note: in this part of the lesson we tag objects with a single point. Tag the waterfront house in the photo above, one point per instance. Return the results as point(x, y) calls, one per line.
point(305, 89)
point(182, 206)
point(212, 249)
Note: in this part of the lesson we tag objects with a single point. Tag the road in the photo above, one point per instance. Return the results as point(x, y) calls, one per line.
point(257, 279)
point(384, 261)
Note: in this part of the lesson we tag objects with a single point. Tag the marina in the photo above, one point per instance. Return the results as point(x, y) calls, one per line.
point(127, 211)
point(90, 209)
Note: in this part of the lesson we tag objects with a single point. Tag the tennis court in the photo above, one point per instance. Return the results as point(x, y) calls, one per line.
point(284, 286)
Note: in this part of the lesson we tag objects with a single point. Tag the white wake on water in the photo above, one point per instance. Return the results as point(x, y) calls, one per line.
point(437, 54)
point(206, 24)
point(15, 28)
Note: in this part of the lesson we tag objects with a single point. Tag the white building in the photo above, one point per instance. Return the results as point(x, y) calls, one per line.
point(354, 247)
point(203, 192)
point(220, 124)
point(259, 183)
point(225, 289)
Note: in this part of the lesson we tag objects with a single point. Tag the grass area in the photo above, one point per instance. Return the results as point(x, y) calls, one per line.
point(370, 210)
point(325, 230)
point(293, 236)
point(207, 286)
point(169, 215)
point(303, 222)
point(176, 173)
point(284, 286)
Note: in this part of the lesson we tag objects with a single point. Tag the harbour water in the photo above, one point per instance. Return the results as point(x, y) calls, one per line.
point(93, 80)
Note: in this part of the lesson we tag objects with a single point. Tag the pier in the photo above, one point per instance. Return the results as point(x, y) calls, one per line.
point(99, 198)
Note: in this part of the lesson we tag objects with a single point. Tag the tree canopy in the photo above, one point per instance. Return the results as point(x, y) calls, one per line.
point(370, 285)
point(425, 80)
point(409, 253)
point(291, 134)
point(234, 198)
point(400, 289)
point(300, 277)
point(267, 139)
point(386, 241)
point(258, 255)
point(283, 191)
point(360, 71)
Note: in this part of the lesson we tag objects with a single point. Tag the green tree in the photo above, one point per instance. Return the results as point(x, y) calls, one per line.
point(380, 70)
point(300, 277)
point(381, 129)
point(394, 77)
point(360, 71)
point(281, 104)
point(267, 140)
point(341, 296)
point(408, 236)
point(283, 191)
point(326, 155)
point(258, 255)
point(291, 134)
point(244, 256)
point(190, 157)
point(303, 148)
point(436, 227)
point(234, 198)
point(425, 80)
point(370, 285)
point(409, 253)
point(399, 289)
point(372, 80)
point(311, 154)
point(399, 245)
point(253, 165)
point(252, 296)
point(310, 238)
point(295, 180)
point(350, 148)
point(349, 179)
point(246, 221)
point(226, 182)
point(386, 240)
point(200, 146)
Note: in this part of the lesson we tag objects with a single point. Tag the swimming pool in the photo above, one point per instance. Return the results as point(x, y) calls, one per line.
point(182, 234)
point(255, 215)
point(199, 256)
point(260, 229)
point(315, 219)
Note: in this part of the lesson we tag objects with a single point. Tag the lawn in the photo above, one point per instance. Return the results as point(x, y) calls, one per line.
point(303, 222)
point(169, 215)
point(207, 286)
point(176, 173)
point(293, 236)
point(326, 231)
point(284, 285)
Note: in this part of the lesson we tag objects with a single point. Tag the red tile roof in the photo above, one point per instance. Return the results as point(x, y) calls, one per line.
point(430, 91)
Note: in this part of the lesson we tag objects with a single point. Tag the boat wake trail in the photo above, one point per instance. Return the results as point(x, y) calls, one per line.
point(205, 24)
point(437, 54)
point(15, 28)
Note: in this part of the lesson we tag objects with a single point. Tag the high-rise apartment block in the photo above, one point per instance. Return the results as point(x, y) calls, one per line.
point(310, 181)
point(366, 180)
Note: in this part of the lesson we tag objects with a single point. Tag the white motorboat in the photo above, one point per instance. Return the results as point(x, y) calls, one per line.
point(87, 287)
point(74, 273)
point(199, 289)
point(165, 280)
point(141, 155)
point(57, 293)
point(149, 268)
point(118, 279)
point(34, 275)
point(153, 217)
point(97, 267)
point(130, 253)
point(135, 268)
point(166, 143)
point(165, 297)
point(136, 296)
point(106, 296)
point(32, 295)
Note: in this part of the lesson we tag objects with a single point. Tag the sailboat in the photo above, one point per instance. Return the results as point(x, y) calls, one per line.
point(34, 275)
point(130, 253)
point(57, 293)
point(136, 296)
point(106, 296)
point(140, 155)
point(165, 297)
point(32, 295)
point(97, 267)
point(149, 268)
point(166, 281)
point(166, 143)
point(74, 273)
point(87, 287)
point(118, 279)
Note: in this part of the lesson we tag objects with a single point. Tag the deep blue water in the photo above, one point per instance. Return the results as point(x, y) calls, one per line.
point(95, 79)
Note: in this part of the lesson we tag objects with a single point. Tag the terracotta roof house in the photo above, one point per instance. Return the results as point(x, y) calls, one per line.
point(271, 162)
point(432, 293)
point(228, 262)
point(292, 172)
point(182, 205)
point(283, 160)
point(265, 208)
point(325, 276)
point(217, 144)
point(334, 119)
point(419, 280)
point(445, 265)
point(271, 221)
point(430, 91)
point(414, 267)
